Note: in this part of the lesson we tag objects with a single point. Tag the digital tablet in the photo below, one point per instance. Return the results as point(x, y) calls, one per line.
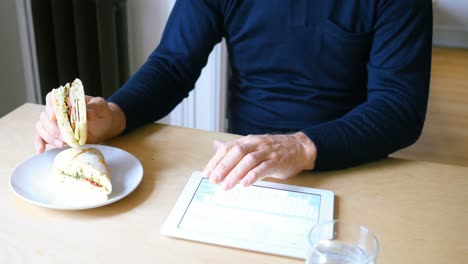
point(265, 217)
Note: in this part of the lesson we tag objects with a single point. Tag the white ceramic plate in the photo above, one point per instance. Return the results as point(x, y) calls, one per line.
point(30, 180)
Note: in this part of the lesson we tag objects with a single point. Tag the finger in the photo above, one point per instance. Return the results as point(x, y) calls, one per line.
point(44, 134)
point(209, 167)
point(49, 109)
point(254, 139)
point(88, 98)
point(96, 103)
point(91, 114)
point(95, 107)
point(217, 144)
point(221, 151)
point(50, 127)
point(39, 144)
point(246, 164)
point(257, 173)
point(229, 161)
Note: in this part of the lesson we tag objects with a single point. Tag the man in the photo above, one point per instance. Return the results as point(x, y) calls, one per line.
point(315, 84)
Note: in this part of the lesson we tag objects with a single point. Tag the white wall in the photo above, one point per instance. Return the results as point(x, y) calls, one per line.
point(13, 89)
point(451, 23)
point(146, 20)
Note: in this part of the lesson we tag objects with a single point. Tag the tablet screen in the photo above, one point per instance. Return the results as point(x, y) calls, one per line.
point(266, 216)
point(250, 214)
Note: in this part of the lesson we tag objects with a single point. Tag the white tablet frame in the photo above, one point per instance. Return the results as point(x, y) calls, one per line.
point(171, 225)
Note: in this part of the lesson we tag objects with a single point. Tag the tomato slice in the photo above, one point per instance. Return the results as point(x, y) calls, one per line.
point(70, 112)
point(93, 183)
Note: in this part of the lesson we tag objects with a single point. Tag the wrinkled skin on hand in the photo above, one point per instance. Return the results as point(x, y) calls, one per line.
point(254, 157)
point(104, 121)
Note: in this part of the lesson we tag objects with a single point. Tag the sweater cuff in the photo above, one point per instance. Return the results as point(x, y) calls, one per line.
point(130, 123)
point(331, 150)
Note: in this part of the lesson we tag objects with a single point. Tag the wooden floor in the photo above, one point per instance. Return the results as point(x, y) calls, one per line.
point(445, 134)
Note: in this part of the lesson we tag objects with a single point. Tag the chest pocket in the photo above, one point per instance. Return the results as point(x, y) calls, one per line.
point(347, 48)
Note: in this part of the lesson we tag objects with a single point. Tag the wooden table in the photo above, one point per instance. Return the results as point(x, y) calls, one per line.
point(418, 210)
point(445, 134)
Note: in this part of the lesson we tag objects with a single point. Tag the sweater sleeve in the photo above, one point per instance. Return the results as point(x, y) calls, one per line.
point(393, 115)
point(166, 78)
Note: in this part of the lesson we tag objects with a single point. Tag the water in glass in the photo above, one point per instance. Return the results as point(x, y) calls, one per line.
point(337, 252)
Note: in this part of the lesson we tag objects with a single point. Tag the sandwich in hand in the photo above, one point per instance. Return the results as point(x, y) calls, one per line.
point(70, 109)
point(82, 173)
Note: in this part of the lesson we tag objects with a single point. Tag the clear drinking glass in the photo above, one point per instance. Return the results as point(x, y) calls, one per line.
point(338, 242)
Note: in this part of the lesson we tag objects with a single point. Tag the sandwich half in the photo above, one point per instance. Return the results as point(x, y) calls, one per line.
point(82, 172)
point(70, 109)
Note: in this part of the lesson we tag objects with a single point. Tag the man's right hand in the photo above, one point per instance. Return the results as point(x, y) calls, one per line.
point(104, 121)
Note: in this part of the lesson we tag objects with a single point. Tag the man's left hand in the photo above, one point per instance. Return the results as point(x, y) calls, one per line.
point(254, 157)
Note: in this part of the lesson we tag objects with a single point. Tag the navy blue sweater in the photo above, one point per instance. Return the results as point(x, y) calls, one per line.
point(353, 75)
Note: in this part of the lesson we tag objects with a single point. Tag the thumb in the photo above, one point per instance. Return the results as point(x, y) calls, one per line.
point(95, 106)
point(88, 98)
point(95, 102)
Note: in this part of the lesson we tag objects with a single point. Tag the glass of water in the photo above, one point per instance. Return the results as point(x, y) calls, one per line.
point(338, 242)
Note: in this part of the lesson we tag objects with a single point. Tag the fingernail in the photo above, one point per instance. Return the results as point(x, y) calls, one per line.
point(211, 178)
point(215, 178)
point(226, 186)
point(244, 182)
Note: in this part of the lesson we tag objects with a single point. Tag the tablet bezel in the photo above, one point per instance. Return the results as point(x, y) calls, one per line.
point(170, 226)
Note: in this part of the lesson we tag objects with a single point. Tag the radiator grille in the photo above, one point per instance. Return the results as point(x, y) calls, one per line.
point(81, 38)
